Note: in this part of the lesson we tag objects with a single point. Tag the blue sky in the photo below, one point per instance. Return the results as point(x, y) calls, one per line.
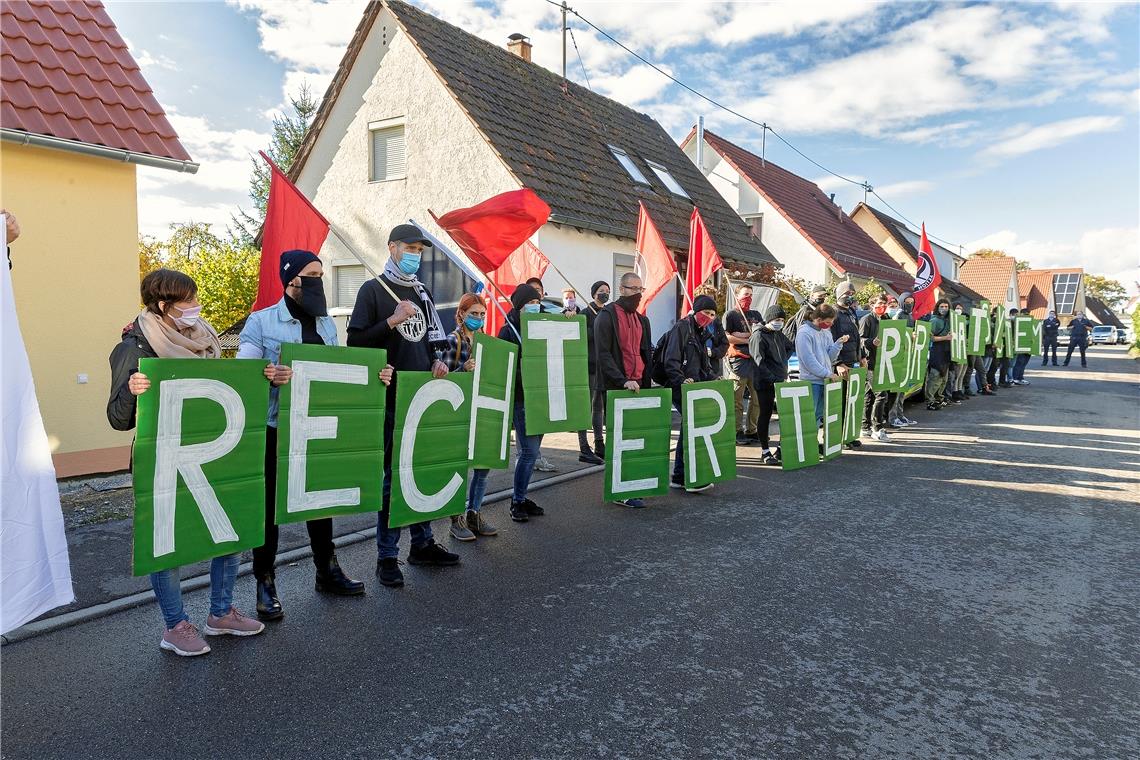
point(1003, 124)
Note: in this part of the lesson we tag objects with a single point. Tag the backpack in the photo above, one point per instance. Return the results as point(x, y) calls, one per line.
point(658, 375)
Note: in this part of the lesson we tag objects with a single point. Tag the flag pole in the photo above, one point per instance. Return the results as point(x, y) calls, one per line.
point(684, 292)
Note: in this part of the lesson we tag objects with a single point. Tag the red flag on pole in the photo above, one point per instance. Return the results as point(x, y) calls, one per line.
point(291, 222)
point(492, 230)
point(926, 279)
point(526, 262)
point(704, 260)
point(653, 263)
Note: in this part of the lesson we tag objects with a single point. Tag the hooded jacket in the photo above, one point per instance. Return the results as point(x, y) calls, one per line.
point(124, 359)
point(817, 351)
point(607, 349)
point(847, 323)
point(770, 350)
point(684, 356)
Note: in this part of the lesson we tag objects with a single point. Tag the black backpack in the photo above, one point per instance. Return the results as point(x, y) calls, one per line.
point(658, 375)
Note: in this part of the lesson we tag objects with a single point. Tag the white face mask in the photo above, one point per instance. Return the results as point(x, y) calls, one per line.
point(189, 317)
point(776, 325)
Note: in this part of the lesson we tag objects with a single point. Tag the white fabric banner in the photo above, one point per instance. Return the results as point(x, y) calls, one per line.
point(35, 575)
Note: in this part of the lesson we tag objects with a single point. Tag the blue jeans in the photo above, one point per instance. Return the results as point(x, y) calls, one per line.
point(388, 539)
point(477, 489)
point(817, 401)
point(168, 589)
point(1019, 365)
point(528, 454)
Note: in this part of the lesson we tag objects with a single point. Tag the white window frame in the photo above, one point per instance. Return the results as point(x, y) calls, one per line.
point(667, 179)
point(378, 126)
point(751, 220)
point(626, 161)
point(337, 270)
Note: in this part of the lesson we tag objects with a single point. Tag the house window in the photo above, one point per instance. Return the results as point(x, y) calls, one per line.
point(347, 282)
point(389, 160)
point(627, 164)
point(623, 263)
point(667, 179)
point(1065, 291)
point(755, 224)
point(1009, 295)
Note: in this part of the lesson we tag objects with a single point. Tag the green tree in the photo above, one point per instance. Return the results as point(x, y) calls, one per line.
point(288, 132)
point(993, 253)
point(225, 270)
point(864, 294)
point(1112, 292)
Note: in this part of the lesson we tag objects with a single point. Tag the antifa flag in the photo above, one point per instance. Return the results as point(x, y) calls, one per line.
point(926, 279)
point(291, 222)
point(491, 231)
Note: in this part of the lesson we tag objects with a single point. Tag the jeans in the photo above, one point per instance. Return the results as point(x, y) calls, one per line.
point(320, 531)
point(477, 489)
point(388, 539)
point(168, 590)
point(896, 409)
point(750, 424)
point(1019, 365)
point(597, 420)
point(817, 401)
point(1049, 343)
point(766, 405)
point(528, 446)
point(1069, 353)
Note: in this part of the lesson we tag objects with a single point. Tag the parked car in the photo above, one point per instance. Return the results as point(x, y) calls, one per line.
point(793, 366)
point(1103, 334)
point(1063, 336)
point(1121, 336)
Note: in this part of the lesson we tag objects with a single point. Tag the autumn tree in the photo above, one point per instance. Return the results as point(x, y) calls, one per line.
point(1111, 292)
point(994, 253)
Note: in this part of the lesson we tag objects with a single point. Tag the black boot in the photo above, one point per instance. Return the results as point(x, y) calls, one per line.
point(332, 580)
point(268, 605)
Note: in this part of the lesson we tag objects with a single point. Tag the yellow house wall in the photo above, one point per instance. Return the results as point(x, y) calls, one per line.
point(75, 274)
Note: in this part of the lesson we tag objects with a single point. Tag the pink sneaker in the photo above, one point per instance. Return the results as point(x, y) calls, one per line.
point(184, 640)
point(234, 623)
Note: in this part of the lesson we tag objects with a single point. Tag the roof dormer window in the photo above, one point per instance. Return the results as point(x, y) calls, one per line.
point(627, 164)
point(667, 179)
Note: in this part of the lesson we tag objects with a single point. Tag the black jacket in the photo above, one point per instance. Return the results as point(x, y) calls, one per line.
point(1049, 328)
point(846, 323)
point(868, 331)
point(769, 350)
point(1079, 330)
point(685, 356)
point(607, 351)
point(591, 316)
point(793, 325)
point(508, 334)
point(124, 361)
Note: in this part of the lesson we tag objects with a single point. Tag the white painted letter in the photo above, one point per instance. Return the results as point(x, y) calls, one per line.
point(555, 332)
point(621, 444)
point(797, 394)
point(479, 401)
point(892, 344)
point(429, 393)
point(829, 418)
point(705, 433)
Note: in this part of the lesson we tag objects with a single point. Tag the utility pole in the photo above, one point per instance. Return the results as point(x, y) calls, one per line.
point(563, 39)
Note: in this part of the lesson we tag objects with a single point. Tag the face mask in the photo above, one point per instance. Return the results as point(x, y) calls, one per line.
point(893, 311)
point(817, 300)
point(703, 320)
point(602, 296)
point(944, 311)
point(532, 308)
point(959, 311)
point(746, 303)
point(825, 325)
point(879, 310)
point(312, 298)
point(630, 303)
point(409, 263)
point(847, 300)
point(473, 323)
point(570, 303)
point(907, 307)
point(189, 317)
point(776, 325)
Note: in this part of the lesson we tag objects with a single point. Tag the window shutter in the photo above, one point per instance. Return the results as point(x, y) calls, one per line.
point(349, 278)
point(388, 155)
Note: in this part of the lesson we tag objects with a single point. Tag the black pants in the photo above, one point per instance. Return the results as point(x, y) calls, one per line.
point(766, 400)
point(320, 531)
point(1069, 353)
point(598, 419)
point(1050, 343)
point(876, 404)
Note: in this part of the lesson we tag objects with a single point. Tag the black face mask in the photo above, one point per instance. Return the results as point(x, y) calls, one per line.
point(907, 307)
point(817, 300)
point(312, 300)
point(602, 297)
point(847, 300)
point(630, 303)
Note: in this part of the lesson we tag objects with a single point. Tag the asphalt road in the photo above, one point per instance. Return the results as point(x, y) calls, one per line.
point(970, 590)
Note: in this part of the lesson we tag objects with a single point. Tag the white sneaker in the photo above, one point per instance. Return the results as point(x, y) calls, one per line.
point(908, 421)
point(542, 464)
point(881, 435)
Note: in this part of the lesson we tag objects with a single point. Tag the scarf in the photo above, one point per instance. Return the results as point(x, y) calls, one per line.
point(435, 333)
point(197, 342)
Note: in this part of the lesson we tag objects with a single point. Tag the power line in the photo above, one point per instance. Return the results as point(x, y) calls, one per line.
point(580, 61)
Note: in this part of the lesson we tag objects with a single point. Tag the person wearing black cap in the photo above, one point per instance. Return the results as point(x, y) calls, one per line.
point(876, 403)
point(525, 300)
point(738, 326)
point(600, 295)
point(300, 316)
point(846, 322)
point(395, 312)
point(818, 296)
point(686, 360)
point(769, 348)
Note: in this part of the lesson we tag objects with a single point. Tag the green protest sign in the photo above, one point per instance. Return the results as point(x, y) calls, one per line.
point(799, 445)
point(330, 434)
point(920, 355)
point(1009, 342)
point(979, 332)
point(637, 453)
point(1024, 340)
point(429, 454)
point(832, 420)
point(958, 349)
point(892, 360)
point(710, 432)
point(999, 337)
point(854, 391)
point(199, 461)
point(1038, 338)
point(555, 373)
point(492, 402)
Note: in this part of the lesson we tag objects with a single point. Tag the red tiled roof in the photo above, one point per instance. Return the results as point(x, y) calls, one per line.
point(1036, 288)
point(67, 73)
point(990, 276)
point(842, 242)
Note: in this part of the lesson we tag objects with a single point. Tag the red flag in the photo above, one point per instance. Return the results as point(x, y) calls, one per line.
point(704, 260)
point(494, 316)
point(654, 264)
point(291, 222)
point(526, 262)
point(491, 231)
point(926, 279)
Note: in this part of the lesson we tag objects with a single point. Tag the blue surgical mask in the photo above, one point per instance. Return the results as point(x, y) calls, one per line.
point(409, 263)
point(894, 311)
point(473, 323)
point(532, 308)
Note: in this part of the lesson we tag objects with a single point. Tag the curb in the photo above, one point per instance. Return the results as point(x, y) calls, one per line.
point(75, 617)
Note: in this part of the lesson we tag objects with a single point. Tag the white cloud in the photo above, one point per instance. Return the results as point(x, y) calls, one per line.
point(749, 21)
point(906, 187)
point(637, 84)
point(1113, 252)
point(1028, 140)
point(1126, 100)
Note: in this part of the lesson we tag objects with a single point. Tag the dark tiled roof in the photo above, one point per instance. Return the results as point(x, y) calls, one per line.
point(67, 73)
point(553, 136)
point(825, 225)
point(1101, 311)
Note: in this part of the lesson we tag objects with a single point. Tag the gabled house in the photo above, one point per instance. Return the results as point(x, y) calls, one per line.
point(422, 115)
point(902, 243)
point(995, 279)
point(1098, 311)
point(794, 219)
point(1060, 290)
point(77, 118)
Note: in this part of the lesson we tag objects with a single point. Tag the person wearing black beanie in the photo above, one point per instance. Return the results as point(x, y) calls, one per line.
point(685, 359)
point(769, 348)
point(600, 295)
point(525, 300)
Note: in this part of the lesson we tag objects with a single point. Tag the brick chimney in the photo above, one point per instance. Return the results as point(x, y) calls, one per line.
point(519, 44)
